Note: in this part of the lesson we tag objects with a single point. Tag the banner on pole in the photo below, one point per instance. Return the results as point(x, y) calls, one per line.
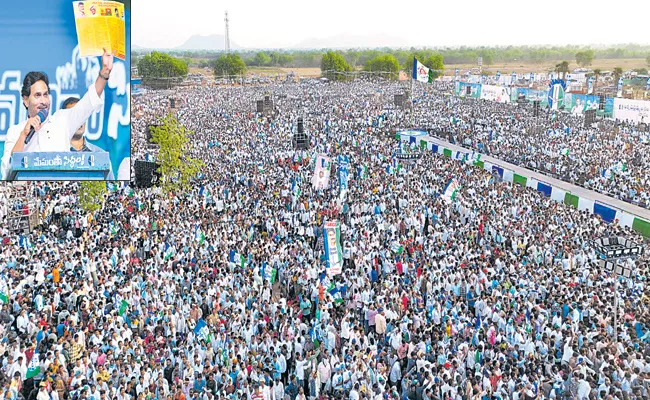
point(344, 175)
point(322, 172)
point(333, 251)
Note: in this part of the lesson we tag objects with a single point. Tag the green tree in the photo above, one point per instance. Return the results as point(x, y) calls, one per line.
point(430, 60)
point(333, 66)
point(562, 68)
point(91, 195)
point(285, 59)
point(177, 167)
point(386, 63)
point(585, 58)
point(436, 63)
point(229, 64)
point(275, 57)
point(488, 58)
point(618, 71)
point(161, 65)
point(261, 59)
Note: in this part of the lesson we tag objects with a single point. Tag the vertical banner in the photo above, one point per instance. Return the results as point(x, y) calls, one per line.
point(456, 75)
point(532, 77)
point(619, 88)
point(498, 76)
point(590, 85)
point(514, 78)
point(647, 84)
point(322, 171)
point(333, 251)
point(344, 175)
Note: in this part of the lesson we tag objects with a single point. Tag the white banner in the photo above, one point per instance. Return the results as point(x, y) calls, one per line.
point(322, 172)
point(632, 110)
point(500, 94)
point(333, 251)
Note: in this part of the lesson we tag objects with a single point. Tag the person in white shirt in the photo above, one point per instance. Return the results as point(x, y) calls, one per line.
point(55, 133)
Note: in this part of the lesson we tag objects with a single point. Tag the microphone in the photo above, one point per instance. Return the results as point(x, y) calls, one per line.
point(42, 115)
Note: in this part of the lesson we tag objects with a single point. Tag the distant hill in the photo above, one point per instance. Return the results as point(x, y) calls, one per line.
point(210, 42)
point(197, 42)
point(348, 41)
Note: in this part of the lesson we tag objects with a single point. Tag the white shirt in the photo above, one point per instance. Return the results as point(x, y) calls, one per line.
point(56, 131)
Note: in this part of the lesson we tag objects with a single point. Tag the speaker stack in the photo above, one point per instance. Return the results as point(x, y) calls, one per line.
point(590, 117)
point(300, 139)
point(146, 174)
point(399, 100)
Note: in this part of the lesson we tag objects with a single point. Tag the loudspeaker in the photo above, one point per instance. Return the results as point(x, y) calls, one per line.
point(260, 106)
point(146, 174)
point(300, 141)
point(172, 103)
point(468, 90)
point(536, 108)
point(590, 117)
point(399, 100)
point(301, 127)
point(601, 104)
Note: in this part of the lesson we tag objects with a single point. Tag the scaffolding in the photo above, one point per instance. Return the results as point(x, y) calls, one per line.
point(22, 208)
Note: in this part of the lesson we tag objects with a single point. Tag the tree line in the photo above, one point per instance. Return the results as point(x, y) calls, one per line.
point(336, 64)
point(461, 55)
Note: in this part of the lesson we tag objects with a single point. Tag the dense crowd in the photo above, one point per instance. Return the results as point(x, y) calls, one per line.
point(611, 157)
point(496, 294)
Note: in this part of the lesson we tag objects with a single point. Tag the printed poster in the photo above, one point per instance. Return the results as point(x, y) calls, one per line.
point(100, 25)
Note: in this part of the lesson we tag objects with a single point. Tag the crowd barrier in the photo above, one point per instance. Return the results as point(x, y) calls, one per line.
point(607, 212)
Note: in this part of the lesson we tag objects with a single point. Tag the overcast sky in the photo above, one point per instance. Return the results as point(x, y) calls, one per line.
point(285, 23)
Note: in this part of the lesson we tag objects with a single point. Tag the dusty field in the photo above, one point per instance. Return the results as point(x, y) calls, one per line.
point(604, 65)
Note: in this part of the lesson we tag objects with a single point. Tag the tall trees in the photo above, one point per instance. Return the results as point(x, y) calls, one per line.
point(334, 67)
point(585, 58)
point(177, 167)
point(161, 65)
point(562, 68)
point(387, 64)
point(229, 64)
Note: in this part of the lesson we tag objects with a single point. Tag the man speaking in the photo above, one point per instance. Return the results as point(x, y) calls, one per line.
point(42, 132)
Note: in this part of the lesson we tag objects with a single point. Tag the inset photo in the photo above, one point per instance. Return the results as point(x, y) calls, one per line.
point(65, 90)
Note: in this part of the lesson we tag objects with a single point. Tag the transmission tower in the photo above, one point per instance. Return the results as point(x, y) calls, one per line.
point(227, 34)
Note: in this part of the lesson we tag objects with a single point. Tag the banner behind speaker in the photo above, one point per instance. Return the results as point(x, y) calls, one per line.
point(55, 37)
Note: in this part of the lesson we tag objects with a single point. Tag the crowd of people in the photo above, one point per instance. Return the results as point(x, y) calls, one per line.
point(222, 292)
point(609, 156)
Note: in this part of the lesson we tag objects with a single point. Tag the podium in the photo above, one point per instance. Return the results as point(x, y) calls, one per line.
point(59, 166)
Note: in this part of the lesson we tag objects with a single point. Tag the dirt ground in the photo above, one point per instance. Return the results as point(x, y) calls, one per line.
point(504, 68)
point(604, 65)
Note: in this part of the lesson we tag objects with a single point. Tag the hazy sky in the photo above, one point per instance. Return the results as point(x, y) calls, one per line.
point(284, 23)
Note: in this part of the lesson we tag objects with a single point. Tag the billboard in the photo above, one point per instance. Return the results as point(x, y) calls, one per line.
point(474, 89)
point(632, 110)
point(500, 94)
